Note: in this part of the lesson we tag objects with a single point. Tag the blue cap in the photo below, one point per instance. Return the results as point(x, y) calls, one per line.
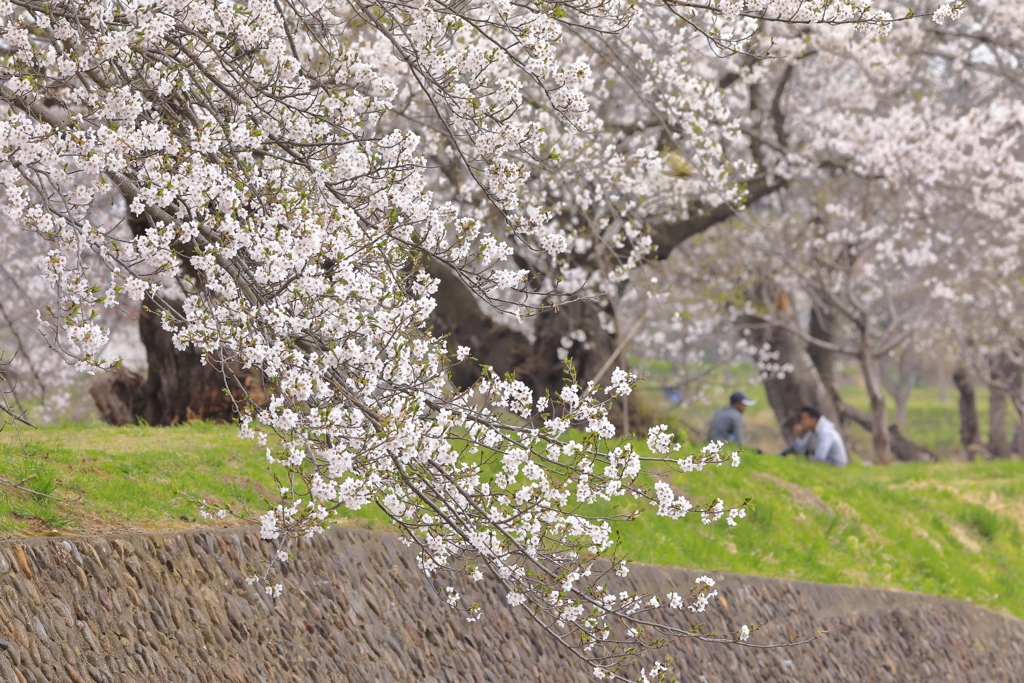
point(740, 397)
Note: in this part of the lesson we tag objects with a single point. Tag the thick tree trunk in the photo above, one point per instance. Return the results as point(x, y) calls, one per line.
point(824, 359)
point(1013, 379)
point(822, 327)
point(998, 445)
point(540, 365)
point(119, 396)
point(570, 333)
point(177, 388)
point(800, 387)
point(880, 442)
point(458, 315)
point(553, 329)
point(573, 333)
point(970, 431)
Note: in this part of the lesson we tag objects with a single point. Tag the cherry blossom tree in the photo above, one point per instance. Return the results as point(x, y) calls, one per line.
point(938, 142)
point(300, 165)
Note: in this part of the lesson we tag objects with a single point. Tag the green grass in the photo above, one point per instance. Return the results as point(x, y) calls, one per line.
point(951, 529)
point(121, 478)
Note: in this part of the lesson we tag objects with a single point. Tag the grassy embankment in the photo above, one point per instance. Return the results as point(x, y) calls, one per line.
point(952, 529)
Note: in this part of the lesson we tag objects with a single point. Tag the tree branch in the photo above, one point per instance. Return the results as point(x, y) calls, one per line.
point(668, 235)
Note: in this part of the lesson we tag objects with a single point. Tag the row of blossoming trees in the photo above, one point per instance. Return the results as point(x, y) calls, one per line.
point(895, 228)
point(358, 199)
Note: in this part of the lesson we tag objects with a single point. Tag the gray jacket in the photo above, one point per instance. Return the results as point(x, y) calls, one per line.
point(726, 425)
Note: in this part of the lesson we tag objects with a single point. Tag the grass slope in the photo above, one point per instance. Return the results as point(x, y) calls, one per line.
point(125, 478)
point(952, 529)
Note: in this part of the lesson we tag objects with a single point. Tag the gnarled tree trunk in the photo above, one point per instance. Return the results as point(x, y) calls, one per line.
point(177, 388)
point(538, 364)
point(801, 386)
point(458, 315)
point(880, 442)
point(822, 326)
point(1004, 386)
point(970, 430)
point(998, 445)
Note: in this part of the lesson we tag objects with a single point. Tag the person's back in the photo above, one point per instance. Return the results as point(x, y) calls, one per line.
point(727, 422)
point(726, 425)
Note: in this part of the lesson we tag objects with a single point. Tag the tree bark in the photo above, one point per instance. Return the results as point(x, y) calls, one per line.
point(880, 442)
point(906, 450)
point(458, 315)
point(536, 364)
point(119, 396)
point(970, 431)
point(178, 387)
point(998, 445)
point(800, 387)
point(822, 327)
point(902, 385)
point(824, 359)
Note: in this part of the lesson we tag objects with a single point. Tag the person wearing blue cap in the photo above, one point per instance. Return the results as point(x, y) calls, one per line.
point(727, 422)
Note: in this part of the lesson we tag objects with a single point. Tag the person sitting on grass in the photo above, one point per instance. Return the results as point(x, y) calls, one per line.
point(818, 438)
point(727, 422)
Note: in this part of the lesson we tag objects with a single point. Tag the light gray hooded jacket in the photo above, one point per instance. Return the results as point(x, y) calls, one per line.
point(824, 444)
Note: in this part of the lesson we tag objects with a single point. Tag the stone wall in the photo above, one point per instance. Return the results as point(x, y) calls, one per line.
point(175, 607)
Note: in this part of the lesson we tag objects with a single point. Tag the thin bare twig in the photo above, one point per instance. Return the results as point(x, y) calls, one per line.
point(5, 482)
point(615, 354)
point(17, 417)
